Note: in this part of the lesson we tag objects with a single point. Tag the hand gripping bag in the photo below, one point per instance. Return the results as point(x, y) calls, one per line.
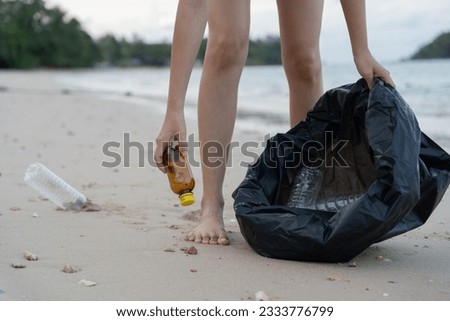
point(366, 142)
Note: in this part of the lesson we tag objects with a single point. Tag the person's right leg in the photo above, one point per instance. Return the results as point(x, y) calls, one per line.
point(300, 25)
point(229, 22)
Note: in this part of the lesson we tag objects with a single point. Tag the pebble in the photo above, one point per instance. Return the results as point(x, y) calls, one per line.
point(15, 208)
point(261, 296)
point(87, 283)
point(193, 270)
point(70, 269)
point(30, 256)
point(192, 251)
point(384, 259)
point(352, 264)
point(18, 265)
point(385, 294)
point(35, 215)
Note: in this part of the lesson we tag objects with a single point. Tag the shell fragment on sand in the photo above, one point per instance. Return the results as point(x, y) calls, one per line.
point(30, 256)
point(87, 283)
point(261, 296)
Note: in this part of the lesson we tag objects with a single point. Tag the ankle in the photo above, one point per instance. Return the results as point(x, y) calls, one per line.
point(213, 204)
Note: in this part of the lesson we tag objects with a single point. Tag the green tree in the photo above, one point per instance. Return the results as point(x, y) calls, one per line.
point(111, 50)
point(33, 35)
point(438, 48)
point(264, 52)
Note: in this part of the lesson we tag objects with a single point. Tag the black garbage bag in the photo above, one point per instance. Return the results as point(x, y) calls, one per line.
point(363, 141)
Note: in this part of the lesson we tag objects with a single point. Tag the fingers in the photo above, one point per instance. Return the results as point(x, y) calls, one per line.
point(183, 145)
point(162, 143)
point(379, 72)
point(161, 146)
point(388, 80)
point(369, 80)
point(369, 68)
point(385, 77)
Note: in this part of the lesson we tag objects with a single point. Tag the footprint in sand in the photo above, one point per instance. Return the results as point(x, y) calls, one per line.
point(193, 216)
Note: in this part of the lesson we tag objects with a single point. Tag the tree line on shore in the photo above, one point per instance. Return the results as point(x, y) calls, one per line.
point(33, 35)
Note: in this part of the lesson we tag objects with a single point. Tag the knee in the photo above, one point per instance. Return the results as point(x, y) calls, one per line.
point(228, 52)
point(301, 66)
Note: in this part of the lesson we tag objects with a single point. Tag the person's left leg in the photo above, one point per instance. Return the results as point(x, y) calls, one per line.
point(300, 25)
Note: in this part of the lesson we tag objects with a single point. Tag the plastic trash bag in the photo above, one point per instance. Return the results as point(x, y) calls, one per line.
point(400, 173)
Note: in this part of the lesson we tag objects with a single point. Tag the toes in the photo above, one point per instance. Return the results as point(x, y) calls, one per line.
point(223, 240)
point(205, 239)
point(198, 239)
point(199, 235)
point(213, 240)
point(190, 237)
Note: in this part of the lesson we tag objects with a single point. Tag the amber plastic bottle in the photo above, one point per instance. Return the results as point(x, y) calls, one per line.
point(179, 174)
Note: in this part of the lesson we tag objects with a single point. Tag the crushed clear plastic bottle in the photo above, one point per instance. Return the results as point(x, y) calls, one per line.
point(336, 203)
point(306, 188)
point(305, 191)
point(53, 187)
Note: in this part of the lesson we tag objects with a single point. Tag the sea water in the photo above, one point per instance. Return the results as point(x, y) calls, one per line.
point(264, 97)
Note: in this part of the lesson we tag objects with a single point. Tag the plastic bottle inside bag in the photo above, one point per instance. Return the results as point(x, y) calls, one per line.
point(305, 191)
point(306, 187)
point(336, 203)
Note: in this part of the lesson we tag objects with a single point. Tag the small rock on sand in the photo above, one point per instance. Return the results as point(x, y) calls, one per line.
point(18, 265)
point(70, 269)
point(30, 256)
point(191, 250)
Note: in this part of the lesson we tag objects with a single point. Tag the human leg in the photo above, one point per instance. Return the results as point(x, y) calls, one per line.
point(226, 52)
point(300, 25)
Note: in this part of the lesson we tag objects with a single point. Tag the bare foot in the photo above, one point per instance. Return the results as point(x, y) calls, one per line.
point(210, 230)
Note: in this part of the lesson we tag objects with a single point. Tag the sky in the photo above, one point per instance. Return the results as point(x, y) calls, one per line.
point(396, 28)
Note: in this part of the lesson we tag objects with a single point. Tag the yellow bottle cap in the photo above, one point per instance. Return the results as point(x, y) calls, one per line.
point(187, 199)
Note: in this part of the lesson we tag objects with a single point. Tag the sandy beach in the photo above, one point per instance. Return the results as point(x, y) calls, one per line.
point(134, 247)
